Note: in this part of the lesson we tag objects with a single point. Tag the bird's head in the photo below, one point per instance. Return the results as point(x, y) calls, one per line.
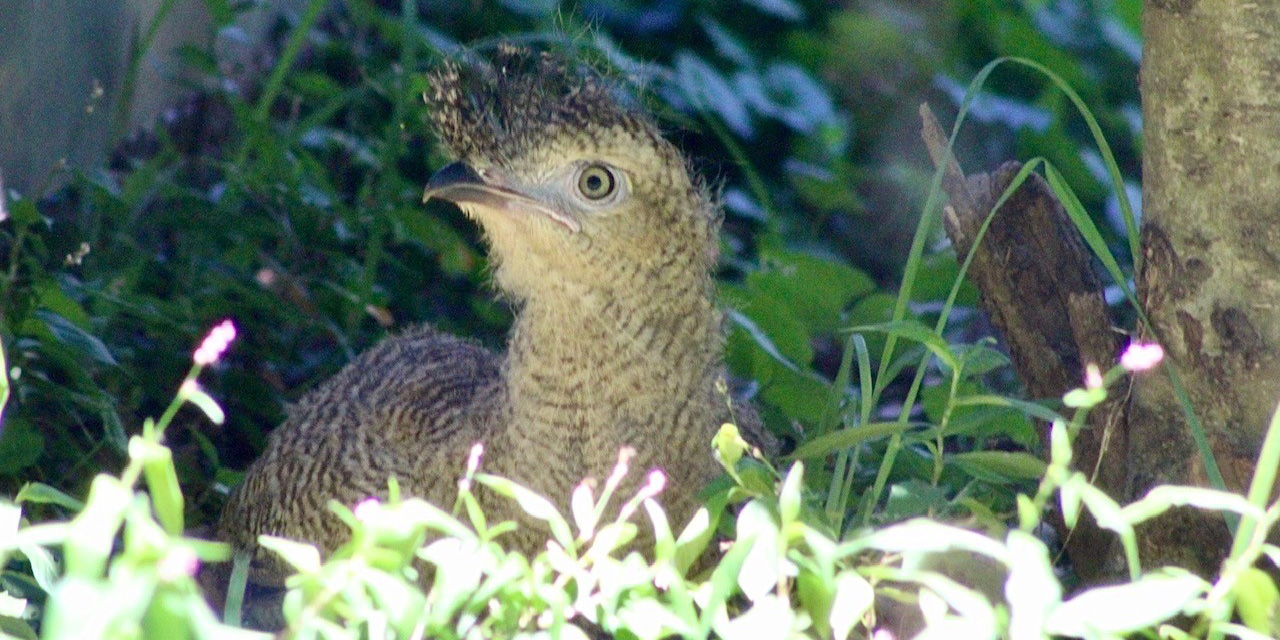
point(571, 186)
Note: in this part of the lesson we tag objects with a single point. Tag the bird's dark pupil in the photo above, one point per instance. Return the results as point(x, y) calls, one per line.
point(596, 183)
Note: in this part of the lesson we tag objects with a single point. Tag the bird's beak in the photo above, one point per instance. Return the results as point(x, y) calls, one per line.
point(462, 185)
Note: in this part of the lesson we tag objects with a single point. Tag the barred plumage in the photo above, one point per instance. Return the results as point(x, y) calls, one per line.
point(617, 340)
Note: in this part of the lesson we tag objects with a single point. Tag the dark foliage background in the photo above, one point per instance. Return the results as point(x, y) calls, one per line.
point(285, 194)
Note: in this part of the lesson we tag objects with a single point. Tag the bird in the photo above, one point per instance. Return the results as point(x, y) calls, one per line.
point(604, 242)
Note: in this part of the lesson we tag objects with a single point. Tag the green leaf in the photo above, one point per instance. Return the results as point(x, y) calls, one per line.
point(84, 607)
point(875, 308)
point(1020, 37)
point(1084, 398)
point(814, 290)
point(724, 582)
point(984, 422)
point(693, 539)
point(300, 555)
point(789, 497)
point(784, 9)
point(1030, 408)
point(664, 545)
point(4, 376)
point(777, 332)
point(978, 358)
point(51, 296)
point(10, 519)
point(162, 482)
point(816, 596)
point(827, 188)
point(761, 567)
point(44, 568)
point(533, 504)
point(13, 627)
point(396, 598)
point(1059, 443)
point(20, 445)
point(709, 91)
point(1127, 608)
point(314, 86)
point(77, 339)
point(1257, 601)
point(935, 398)
point(24, 212)
point(913, 498)
point(195, 395)
point(1164, 497)
point(937, 274)
point(768, 617)
point(773, 352)
point(456, 256)
point(914, 330)
point(998, 465)
point(847, 438)
point(927, 536)
point(853, 598)
point(92, 533)
point(802, 396)
point(167, 615)
point(649, 618)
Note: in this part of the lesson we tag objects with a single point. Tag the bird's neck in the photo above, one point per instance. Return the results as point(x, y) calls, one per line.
point(588, 373)
point(675, 331)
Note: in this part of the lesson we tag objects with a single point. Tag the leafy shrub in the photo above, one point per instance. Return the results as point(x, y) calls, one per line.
point(782, 574)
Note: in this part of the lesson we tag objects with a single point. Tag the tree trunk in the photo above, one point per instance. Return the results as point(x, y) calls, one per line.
point(1210, 281)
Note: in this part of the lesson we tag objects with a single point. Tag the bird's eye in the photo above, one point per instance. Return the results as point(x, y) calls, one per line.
point(596, 182)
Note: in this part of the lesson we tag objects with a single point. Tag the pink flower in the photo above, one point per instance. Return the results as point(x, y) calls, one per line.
point(473, 464)
point(178, 563)
point(1140, 357)
point(215, 344)
point(473, 460)
point(656, 483)
point(1092, 377)
point(625, 454)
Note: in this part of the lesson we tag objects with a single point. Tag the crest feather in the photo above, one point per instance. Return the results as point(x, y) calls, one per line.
point(497, 108)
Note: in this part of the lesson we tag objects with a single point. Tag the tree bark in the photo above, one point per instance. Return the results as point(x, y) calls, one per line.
point(1210, 280)
point(1040, 291)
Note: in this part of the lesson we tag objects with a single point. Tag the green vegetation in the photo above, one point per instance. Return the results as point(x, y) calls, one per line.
point(288, 199)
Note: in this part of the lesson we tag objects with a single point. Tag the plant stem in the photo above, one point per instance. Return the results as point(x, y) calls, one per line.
point(138, 48)
point(291, 50)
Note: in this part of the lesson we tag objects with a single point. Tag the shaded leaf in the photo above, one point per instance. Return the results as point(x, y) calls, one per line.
point(814, 290)
point(79, 340)
point(1017, 465)
point(708, 90)
point(847, 438)
point(20, 445)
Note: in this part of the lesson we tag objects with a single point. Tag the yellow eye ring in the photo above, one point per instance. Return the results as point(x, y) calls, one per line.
point(597, 182)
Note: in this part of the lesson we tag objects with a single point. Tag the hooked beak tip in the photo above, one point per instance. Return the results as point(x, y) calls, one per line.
point(456, 174)
point(460, 183)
